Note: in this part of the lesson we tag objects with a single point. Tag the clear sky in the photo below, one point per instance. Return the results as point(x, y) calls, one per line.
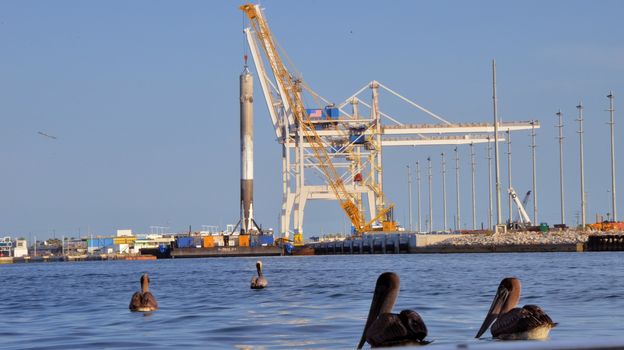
point(143, 99)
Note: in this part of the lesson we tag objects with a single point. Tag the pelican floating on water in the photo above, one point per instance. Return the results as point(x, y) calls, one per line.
point(514, 323)
point(259, 282)
point(384, 328)
point(143, 300)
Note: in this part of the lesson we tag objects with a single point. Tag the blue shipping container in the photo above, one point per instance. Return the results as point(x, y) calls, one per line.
point(266, 239)
point(100, 242)
point(332, 112)
point(184, 242)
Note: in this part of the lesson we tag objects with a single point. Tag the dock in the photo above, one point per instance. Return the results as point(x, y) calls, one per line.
point(430, 244)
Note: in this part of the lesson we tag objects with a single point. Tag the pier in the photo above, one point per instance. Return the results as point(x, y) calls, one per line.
point(410, 243)
point(601, 243)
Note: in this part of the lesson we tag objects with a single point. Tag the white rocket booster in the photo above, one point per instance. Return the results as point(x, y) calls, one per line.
point(246, 139)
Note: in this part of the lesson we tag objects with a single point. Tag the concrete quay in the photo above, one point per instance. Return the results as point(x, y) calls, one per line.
point(411, 243)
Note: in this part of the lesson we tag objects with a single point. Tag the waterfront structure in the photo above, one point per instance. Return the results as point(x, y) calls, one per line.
point(21, 248)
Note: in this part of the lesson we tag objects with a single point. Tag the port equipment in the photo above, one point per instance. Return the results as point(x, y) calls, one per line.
point(290, 89)
point(524, 219)
point(343, 147)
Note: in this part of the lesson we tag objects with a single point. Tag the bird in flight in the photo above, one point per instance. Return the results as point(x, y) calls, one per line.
point(46, 135)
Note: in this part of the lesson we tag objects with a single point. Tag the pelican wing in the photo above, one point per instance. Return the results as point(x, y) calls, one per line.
point(414, 323)
point(520, 320)
point(149, 300)
point(135, 301)
point(142, 301)
point(392, 329)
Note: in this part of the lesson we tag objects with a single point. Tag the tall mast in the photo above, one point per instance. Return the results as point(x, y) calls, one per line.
point(612, 125)
point(458, 218)
point(444, 189)
point(409, 193)
point(489, 158)
point(496, 165)
point(418, 193)
point(580, 132)
point(561, 190)
point(509, 173)
point(430, 197)
point(533, 146)
point(474, 195)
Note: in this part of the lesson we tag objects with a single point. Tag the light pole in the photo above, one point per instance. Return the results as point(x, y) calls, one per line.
point(489, 158)
point(458, 216)
point(409, 192)
point(560, 127)
point(444, 189)
point(509, 173)
point(474, 200)
point(430, 197)
point(612, 125)
point(580, 132)
point(534, 172)
point(496, 165)
point(418, 193)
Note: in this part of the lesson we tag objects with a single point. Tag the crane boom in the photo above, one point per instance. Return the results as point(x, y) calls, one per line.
point(292, 101)
point(524, 217)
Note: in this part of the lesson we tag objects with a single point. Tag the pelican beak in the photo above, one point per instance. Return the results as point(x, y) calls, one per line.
point(497, 304)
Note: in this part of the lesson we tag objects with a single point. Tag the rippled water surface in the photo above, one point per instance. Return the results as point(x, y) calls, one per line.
point(311, 302)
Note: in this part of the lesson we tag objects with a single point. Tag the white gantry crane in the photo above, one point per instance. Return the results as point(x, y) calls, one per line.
point(334, 151)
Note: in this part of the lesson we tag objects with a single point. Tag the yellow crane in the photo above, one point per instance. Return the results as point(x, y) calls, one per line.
point(292, 98)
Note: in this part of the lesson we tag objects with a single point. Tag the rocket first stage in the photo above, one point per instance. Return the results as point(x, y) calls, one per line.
point(247, 222)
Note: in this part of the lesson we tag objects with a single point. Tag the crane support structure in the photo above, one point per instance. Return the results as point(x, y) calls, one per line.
point(343, 145)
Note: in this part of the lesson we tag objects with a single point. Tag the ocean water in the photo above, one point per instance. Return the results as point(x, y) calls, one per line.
point(311, 301)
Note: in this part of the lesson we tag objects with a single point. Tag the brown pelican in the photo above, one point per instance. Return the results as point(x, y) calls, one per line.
point(386, 329)
point(514, 323)
point(143, 301)
point(259, 282)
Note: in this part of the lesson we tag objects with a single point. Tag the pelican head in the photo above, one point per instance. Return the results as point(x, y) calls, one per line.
point(384, 297)
point(506, 299)
point(144, 282)
point(259, 267)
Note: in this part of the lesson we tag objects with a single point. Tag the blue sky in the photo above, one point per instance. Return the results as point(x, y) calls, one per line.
point(143, 97)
